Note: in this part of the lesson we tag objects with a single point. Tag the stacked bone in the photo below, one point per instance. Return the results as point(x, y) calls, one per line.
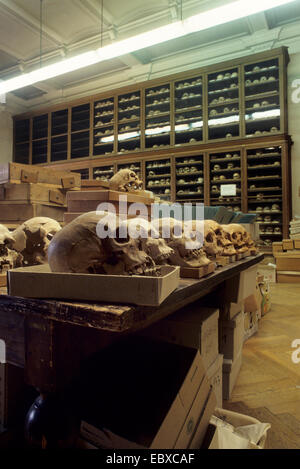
point(124, 182)
point(28, 191)
point(136, 246)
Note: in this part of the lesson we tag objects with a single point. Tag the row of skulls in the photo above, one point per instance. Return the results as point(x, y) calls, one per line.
point(101, 243)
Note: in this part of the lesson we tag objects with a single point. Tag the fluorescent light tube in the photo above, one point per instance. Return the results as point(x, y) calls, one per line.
point(230, 12)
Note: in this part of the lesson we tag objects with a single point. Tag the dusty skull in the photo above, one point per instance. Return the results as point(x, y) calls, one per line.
point(9, 258)
point(98, 243)
point(187, 249)
point(235, 233)
point(125, 180)
point(33, 237)
point(225, 246)
point(248, 240)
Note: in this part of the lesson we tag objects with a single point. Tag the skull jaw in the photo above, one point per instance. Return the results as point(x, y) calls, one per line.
point(189, 259)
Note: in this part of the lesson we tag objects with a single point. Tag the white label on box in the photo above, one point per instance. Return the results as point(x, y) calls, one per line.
point(228, 189)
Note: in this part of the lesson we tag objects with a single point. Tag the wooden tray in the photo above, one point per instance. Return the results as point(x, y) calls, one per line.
point(38, 193)
point(197, 272)
point(39, 282)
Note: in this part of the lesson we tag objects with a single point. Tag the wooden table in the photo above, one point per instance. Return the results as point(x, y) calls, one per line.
point(51, 338)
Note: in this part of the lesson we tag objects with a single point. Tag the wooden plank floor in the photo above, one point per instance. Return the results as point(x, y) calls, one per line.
point(268, 386)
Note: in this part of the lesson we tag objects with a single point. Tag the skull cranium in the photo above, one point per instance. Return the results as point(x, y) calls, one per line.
point(235, 234)
point(9, 258)
point(125, 180)
point(33, 237)
point(225, 246)
point(183, 239)
point(98, 243)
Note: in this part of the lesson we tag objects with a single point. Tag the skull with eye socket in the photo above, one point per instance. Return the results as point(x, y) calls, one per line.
point(99, 243)
point(235, 234)
point(9, 258)
point(125, 180)
point(185, 242)
point(33, 237)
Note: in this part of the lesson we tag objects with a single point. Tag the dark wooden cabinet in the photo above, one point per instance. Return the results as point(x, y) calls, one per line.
point(187, 135)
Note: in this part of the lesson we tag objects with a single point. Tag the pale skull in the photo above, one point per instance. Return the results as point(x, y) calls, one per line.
point(248, 241)
point(235, 235)
point(33, 237)
point(9, 258)
point(125, 180)
point(225, 246)
point(187, 247)
point(98, 243)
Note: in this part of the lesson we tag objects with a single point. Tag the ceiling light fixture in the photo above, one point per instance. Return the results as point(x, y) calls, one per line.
point(232, 11)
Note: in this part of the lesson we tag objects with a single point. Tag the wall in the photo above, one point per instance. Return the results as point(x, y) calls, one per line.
point(294, 127)
point(6, 135)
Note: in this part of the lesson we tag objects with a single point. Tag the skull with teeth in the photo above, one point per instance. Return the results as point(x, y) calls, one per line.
point(125, 180)
point(225, 246)
point(33, 237)
point(235, 234)
point(9, 258)
point(98, 243)
point(150, 241)
point(182, 238)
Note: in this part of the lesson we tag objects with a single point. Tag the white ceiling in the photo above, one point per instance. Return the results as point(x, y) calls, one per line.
point(73, 26)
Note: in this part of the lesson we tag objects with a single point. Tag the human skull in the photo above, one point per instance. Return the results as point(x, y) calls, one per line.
point(33, 237)
point(150, 241)
point(125, 180)
point(236, 176)
point(9, 258)
point(98, 243)
point(224, 245)
point(235, 233)
point(186, 244)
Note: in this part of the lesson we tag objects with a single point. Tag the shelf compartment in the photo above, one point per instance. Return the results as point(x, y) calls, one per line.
point(22, 153)
point(59, 148)
point(40, 127)
point(22, 130)
point(80, 117)
point(39, 151)
point(59, 122)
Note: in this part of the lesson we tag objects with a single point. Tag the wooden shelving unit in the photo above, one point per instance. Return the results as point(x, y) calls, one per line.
point(237, 107)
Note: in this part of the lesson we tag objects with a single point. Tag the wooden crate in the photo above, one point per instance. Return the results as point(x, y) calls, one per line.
point(88, 201)
point(34, 193)
point(17, 213)
point(277, 247)
point(297, 243)
point(17, 173)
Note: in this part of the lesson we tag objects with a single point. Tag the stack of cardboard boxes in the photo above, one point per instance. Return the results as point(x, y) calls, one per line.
point(32, 191)
point(287, 256)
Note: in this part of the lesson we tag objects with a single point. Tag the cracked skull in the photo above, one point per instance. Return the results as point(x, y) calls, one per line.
point(9, 258)
point(125, 180)
point(182, 238)
point(98, 243)
point(33, 237)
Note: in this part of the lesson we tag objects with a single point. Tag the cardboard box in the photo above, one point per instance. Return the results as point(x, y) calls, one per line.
point(39, 282)
point(154, 395)
point(16, 173)
point(268, 272)
point(240, 286)
point(287, 276)
point(296, 243)
point(288, 244)
point(231, 369)
point(277, 247)
point(191, 326)
point(215, 377)
point(250, 324)
point(232, 336)
point(287, 261)
point(230, 310)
